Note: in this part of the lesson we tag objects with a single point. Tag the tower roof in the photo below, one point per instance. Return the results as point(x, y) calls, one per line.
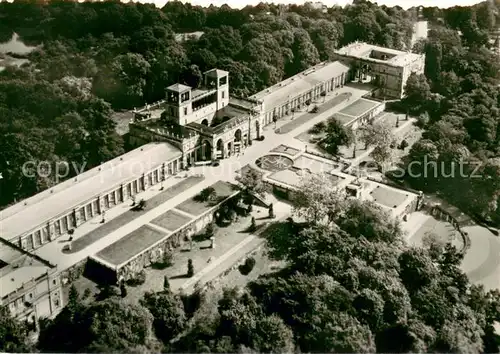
point(216, 73)
point(179, 88)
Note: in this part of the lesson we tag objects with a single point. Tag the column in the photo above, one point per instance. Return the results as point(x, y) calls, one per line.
point(50, 230)
point(144, 182)
point(85, 213)
point(99, 206)
point(122, 199)
point(184, 161)
point(74, 217)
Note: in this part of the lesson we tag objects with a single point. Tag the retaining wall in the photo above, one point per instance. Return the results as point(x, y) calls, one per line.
point(442, 214)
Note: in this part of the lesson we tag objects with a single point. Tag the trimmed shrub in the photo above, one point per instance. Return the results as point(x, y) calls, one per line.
point(253, 225)
point(190, 271)
point(210, 230)
point(123, 290)
point(248, 266)
point(166, 283)
point(423, 120)
point(86, 294)
point(205, 195)
point(138, 279)
point(192, 302)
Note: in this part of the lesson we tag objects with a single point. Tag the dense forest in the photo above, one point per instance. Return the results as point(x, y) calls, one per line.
point(351, 284)
point(458, 103)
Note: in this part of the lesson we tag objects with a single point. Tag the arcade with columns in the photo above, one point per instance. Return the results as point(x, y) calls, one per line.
point(206, 124)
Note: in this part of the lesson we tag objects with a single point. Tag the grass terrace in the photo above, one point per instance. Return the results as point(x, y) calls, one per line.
point(191, 206)
point(130, 215)
point(343, 118)
point(359, 107)
point(309, 138)
point(171, 220)
point(130, 245)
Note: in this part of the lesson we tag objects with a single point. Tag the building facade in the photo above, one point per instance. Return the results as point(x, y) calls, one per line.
point(31, 287)
point(207, 124)
point(387, 69)
point(55, 212)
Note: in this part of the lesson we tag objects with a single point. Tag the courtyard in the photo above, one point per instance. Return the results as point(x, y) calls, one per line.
point(128, 216)
point(232, 243)
point(222, 191)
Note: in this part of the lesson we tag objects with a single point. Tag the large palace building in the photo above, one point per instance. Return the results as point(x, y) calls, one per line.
point(207, 124)
point(191, 125)
point(387, 69)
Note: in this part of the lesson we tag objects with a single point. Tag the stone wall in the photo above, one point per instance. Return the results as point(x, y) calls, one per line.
point(168, 244)
point(442, 214)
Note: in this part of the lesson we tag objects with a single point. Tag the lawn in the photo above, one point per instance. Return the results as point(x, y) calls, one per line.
point(130, 245)
point(234, 278)
point(359, 107)
point(171, 220)
point(308, 138)
point(115, 223)
point(191, 206)
point(306, 117)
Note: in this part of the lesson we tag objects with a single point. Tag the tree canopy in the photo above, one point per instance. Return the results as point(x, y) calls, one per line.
point(353, 285)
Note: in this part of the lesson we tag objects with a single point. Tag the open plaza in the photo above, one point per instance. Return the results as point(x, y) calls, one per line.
point(90, 224)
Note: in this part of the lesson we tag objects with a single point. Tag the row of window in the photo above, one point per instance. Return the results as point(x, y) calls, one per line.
point(279, 112)
point(94, 208)
point(20, 302)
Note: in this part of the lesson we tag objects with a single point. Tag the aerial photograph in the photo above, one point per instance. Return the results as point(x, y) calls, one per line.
point(249, 177)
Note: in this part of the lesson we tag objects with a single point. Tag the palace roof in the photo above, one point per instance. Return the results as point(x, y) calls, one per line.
point(34, 212)
point(296, 85)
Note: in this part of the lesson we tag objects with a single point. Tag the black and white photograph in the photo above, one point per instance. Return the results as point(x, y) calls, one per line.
point(231, 176)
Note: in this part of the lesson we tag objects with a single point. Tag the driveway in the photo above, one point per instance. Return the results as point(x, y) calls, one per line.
point(482, 261)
